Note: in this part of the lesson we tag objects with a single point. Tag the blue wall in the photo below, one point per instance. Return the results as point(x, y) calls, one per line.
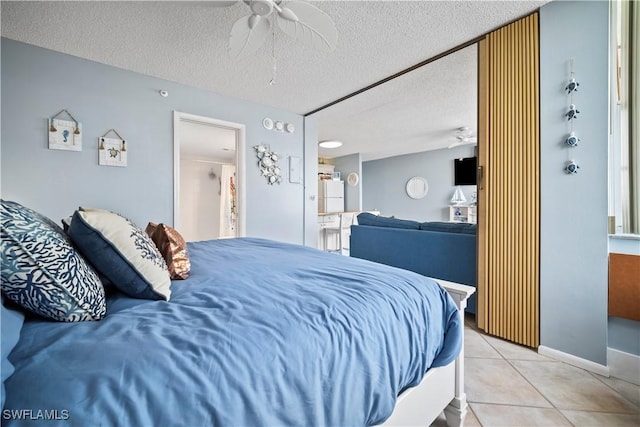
point(573, 246)
point(384, 182)
point(573, 275)
point(311, 182)
point(37, 83)
point(352, 194)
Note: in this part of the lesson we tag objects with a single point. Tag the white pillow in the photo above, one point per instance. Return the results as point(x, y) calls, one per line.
point(122, 252)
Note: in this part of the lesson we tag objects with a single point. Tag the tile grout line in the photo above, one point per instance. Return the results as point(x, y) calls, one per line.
point(529, 382)
point(597, 377)
point(558, 410)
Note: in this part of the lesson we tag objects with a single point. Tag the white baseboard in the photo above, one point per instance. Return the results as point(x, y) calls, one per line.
point(623, 365)
point(579, 362)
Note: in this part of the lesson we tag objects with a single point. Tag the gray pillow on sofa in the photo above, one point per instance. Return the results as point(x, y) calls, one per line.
point(449, 227)
point(366, 218)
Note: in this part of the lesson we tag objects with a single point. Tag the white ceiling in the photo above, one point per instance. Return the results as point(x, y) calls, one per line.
point(201, 141)
point(416, 112)
point(187, 42)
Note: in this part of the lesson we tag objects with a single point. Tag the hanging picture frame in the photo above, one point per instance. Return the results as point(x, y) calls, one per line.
point(65, 134)
point(112, 151)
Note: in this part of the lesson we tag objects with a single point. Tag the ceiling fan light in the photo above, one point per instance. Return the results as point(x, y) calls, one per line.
point(330, 143)
point(261, 7)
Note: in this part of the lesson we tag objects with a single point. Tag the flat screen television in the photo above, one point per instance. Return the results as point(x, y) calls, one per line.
point(465, 171)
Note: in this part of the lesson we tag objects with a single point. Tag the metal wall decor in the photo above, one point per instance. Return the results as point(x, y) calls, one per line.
point(278, 125)
point(65, 134)
point(112, 151)
point(572, 113)
point(571, 167)
point(268, 164)
point(571, 140)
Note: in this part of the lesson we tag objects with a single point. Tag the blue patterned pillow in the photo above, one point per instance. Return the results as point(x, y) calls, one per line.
point(41, 270)
point(121, 252)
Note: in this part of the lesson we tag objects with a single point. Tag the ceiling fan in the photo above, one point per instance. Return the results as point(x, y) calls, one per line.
point(464, 136)
point(298, 19)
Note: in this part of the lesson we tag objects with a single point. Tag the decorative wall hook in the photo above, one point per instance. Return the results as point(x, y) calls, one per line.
point(572, 140)
point(65, 134)
point(572, 113)
point(571, 167)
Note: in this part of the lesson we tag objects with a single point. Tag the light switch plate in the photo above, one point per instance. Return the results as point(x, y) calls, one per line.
point(295, 170)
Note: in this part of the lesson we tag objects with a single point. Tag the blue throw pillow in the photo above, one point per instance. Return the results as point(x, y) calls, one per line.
point(42, 271)
point(121, 252)
point(366, 218)
point(449, 227)
point(12, 321)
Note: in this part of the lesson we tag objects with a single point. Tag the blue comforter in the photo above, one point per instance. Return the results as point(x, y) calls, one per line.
point(262, 333)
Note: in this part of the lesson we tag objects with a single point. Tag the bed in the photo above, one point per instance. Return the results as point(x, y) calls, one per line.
point(260, 333)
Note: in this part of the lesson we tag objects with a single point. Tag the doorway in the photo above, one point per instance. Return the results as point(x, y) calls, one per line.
point(208, 177)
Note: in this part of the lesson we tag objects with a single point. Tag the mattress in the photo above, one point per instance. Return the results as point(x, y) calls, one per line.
point(261, 333)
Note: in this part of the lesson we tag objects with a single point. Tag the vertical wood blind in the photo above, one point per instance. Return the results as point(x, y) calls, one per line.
point(509, 189)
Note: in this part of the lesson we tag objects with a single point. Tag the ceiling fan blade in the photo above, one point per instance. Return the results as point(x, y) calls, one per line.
point(461, 142)
point(312, 27)
point(220, 3)
point(248, 34)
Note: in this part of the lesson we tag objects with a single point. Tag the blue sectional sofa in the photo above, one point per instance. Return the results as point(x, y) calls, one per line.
point(441, 250)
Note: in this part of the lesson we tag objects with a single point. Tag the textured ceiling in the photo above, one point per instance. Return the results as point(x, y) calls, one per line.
point(187, 42)
point(415, 112)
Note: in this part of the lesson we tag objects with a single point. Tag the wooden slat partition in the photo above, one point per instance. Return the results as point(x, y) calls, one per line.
point(509, 191)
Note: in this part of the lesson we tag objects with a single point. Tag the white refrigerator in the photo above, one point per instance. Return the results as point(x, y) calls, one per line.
point(330, 196)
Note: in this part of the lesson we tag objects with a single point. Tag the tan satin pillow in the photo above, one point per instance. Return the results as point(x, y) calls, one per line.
point(173, 248)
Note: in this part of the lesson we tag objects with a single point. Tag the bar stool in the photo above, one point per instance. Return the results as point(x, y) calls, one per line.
point(344, 225)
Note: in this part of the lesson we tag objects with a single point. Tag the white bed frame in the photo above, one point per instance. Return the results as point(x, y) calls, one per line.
point(441, 389)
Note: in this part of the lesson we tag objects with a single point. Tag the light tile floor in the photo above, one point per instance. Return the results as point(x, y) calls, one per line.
point(512, 385)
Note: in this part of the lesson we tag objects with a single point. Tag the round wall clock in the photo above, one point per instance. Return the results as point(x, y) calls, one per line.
point(417, 187)
point(353, 179)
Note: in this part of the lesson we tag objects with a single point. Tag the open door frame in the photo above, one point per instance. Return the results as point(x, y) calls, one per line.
point(178, 118)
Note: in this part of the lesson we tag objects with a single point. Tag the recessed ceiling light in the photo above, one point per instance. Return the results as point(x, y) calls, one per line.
point(330, 144)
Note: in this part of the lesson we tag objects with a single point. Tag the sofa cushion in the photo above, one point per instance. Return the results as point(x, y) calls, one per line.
point(449, 227)
point(366, 218)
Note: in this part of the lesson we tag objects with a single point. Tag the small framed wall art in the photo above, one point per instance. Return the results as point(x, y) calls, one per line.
point(112, 151)
point(65, 134)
